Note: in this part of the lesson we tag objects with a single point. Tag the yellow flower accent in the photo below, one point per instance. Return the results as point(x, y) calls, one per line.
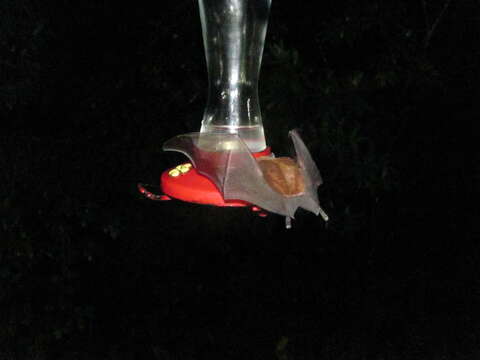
point(174, 173)
point(184, 168)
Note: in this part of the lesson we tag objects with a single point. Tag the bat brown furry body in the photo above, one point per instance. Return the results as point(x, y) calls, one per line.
point(283, 175)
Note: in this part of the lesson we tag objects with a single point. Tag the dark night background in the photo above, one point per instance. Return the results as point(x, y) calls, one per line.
point(385, 94)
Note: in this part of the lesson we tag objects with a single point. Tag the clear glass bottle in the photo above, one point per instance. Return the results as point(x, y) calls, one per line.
point(234, 36)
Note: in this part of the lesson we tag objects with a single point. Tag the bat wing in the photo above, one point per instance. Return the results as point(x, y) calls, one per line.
point(226, 160)
point(311, 174)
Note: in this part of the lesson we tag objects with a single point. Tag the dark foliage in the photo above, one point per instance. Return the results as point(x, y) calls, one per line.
point(384, 94)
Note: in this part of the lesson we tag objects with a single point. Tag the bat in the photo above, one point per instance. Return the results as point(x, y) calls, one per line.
point(278, 185)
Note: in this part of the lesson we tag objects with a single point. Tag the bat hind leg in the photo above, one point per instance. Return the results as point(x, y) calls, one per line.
point(323, 214)
point(288, 222)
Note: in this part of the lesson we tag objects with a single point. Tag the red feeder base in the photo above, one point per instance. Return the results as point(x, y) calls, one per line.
point(190, 186)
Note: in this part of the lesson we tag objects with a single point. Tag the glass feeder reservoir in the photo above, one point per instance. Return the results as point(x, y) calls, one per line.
point(234, 36)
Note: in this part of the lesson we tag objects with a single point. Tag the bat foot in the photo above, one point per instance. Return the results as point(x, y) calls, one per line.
point(323, 214)
point(288, 222)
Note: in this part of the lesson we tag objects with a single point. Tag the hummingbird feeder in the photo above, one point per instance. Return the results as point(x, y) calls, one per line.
point(230, 162)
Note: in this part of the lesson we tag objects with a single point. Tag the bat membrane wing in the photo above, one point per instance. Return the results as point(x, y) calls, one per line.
point(226, 160)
